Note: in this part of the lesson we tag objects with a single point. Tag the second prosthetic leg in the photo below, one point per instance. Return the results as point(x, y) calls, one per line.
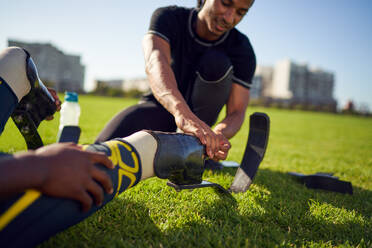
point(35, 102)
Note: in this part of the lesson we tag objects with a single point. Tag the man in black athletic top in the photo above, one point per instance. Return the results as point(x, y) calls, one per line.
point(196, 61)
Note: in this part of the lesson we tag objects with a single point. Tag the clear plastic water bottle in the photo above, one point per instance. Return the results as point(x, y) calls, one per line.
point(70, 112)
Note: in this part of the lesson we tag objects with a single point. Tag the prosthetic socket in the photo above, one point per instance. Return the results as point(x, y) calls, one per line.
point(34, 107)
point(179, 158)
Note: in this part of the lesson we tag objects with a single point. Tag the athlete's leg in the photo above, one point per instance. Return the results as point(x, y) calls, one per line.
point(13, 81)
point(147, 115)
point(8, 102)
point(213, 79)
point(30, 218)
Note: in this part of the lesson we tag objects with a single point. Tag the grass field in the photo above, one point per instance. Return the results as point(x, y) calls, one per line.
point(276, 211)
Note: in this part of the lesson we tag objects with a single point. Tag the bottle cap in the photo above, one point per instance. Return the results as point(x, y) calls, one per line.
point(71, 96)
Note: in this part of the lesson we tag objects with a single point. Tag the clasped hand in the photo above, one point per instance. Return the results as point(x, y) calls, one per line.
point(216, 144)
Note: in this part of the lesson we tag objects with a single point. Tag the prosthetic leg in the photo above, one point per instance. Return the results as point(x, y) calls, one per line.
point(34, 107)
point(35, 102)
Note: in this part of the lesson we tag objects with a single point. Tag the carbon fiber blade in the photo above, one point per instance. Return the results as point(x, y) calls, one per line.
point(259, 127)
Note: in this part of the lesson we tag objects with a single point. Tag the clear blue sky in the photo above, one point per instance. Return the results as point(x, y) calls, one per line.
point(333, 35)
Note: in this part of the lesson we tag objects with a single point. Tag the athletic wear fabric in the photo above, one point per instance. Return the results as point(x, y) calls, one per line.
point(147, 115)
point(8, 102)
point(177, 26)
point(13, 70)
point(30, 218)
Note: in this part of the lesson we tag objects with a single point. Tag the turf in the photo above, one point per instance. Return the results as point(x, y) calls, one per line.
point(276, 211)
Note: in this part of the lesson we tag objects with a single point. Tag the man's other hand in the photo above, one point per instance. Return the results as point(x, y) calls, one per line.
point(194, 126)
point(57, 102)
point(224, 147)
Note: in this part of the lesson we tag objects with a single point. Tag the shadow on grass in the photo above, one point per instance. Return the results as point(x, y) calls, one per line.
point(288, 214)
point(357, 202)
point(275, 181)
point(314, 213)
point(275, 211)
point(120, 222)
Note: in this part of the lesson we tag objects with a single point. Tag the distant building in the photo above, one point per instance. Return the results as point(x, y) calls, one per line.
point(140, 84)
point(255, 91)
point(265, 73)
point(63, 72)
point(115, 83)
point(297, 83)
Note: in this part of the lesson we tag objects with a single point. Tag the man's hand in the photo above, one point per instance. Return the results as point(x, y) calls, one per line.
point(59, 170)
point(69, 172)
point(216, 145)
point(224, 147)
point(57, 101)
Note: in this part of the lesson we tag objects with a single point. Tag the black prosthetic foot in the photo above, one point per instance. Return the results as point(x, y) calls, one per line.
point(324, 181)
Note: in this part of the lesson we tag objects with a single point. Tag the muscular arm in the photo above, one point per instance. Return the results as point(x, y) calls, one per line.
point(161, 77)
point(235, 114)
point(164, 87)
point(235, 111)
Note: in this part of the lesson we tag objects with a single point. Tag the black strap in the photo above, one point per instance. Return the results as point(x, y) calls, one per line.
point(70, 134)
point(324, 181)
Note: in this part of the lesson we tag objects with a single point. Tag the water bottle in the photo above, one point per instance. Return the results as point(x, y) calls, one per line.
point(70, 112)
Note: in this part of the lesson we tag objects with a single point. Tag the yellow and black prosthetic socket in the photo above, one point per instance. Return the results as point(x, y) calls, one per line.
point(30, 218)
point(126, 161)
point(179, 157)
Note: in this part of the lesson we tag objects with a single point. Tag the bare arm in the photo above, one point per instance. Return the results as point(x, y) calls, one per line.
point(18, 173)
point(235, 114)
point(164, 87)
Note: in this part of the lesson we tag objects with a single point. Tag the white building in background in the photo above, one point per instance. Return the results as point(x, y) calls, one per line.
point(140, 84)
point(289, 81)
point(296, 83)
point(265, 73)
point(114, 83)
point(64, 72)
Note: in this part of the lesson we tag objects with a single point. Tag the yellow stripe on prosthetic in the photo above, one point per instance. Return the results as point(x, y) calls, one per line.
point(18, 207)
point(124, 169)
point(122, 173)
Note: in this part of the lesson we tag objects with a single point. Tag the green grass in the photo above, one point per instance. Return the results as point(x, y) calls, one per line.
point(276, 211)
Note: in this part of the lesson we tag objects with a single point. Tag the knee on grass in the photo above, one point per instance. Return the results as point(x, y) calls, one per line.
point(13, 70)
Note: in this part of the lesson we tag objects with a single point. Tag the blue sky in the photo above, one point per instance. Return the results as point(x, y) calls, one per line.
point(333, 35)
